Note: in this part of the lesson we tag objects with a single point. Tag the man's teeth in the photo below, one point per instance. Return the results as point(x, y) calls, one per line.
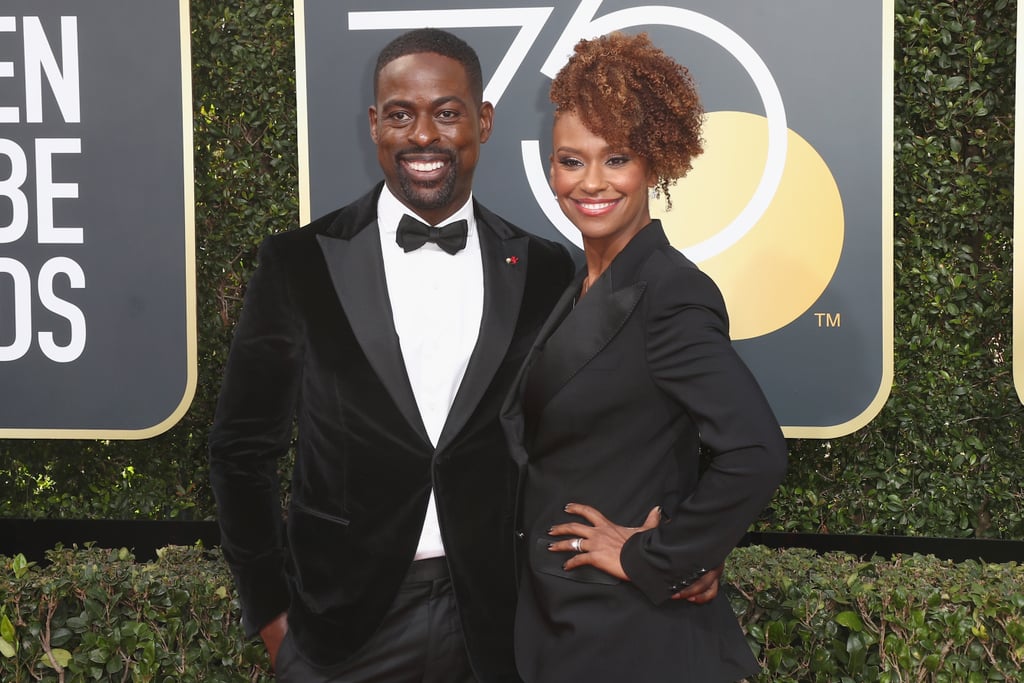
point(425, 166)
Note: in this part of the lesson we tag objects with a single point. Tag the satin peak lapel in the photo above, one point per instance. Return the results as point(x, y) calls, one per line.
point(505, 266)
point(357, 271)
point(512, 410)
point(592, 323)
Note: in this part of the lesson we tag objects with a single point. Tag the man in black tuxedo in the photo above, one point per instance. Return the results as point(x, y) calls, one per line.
point(391, 344)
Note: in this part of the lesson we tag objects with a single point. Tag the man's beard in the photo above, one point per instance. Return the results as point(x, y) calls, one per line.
point(433, 196)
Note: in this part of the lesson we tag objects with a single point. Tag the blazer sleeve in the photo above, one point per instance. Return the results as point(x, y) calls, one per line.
point(252, 430)
point(691, 358)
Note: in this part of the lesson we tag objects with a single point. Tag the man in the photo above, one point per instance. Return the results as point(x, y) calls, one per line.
point(393, 358)
point(392, 346)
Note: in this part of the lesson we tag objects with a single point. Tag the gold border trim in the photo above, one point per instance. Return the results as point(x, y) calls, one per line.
point(302, 111)
point(1017, 343)
point(885, 385)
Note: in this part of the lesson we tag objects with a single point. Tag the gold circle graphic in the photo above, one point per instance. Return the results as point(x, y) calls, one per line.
point(775, 272)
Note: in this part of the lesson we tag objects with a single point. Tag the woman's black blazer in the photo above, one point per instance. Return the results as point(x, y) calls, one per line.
point(613, 405)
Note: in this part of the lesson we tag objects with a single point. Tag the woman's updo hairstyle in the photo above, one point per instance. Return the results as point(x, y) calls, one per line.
point(633, 95)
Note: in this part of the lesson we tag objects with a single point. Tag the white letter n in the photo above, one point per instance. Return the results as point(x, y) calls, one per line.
point(39, 58)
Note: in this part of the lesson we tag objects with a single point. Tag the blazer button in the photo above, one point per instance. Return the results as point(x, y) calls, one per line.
point(520, 535)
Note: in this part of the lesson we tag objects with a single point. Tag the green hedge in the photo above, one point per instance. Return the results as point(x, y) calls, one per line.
point(100, 616)
point(942, 458)
point(835, 618)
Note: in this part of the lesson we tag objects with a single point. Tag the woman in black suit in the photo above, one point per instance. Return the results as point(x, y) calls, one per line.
point(631, 375)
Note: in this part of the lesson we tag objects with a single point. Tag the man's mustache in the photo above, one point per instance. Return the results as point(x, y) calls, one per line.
point(420, 151)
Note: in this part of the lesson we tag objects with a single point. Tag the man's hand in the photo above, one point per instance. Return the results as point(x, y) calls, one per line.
point(272, 635)
point(703, 589)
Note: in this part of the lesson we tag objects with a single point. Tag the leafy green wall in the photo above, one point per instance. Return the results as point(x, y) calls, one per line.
point(942, 458)
point(98, 615)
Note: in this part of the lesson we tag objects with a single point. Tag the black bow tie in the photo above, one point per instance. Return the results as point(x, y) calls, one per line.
point(413, 234)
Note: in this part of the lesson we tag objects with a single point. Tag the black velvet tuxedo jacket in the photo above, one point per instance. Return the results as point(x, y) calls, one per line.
point(611, 408)
point(316, 345)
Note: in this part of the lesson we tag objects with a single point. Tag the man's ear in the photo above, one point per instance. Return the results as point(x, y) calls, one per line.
point(486, 121)
point(373, 124)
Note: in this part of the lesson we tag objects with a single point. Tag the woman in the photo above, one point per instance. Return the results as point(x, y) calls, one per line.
point(632, 374)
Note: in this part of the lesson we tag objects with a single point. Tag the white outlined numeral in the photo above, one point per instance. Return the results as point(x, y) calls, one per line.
point(584, 24)
point(530, 20)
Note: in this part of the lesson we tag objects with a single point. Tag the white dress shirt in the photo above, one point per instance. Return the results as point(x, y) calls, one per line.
point(437, 302)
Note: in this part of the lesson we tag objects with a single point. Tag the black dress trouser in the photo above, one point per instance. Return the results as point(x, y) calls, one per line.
point(420, 640)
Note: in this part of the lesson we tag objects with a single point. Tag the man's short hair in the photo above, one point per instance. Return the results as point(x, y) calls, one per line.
point(439, 42)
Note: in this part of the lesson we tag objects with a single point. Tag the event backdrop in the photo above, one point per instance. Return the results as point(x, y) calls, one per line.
point(789, 209)
point(97, 291)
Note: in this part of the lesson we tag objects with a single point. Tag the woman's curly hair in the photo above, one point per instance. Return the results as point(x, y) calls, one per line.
point(633, 95)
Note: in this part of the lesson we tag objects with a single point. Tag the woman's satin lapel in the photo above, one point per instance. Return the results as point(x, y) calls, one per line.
point(573, 336)
point(585, 331)
point(512, 409)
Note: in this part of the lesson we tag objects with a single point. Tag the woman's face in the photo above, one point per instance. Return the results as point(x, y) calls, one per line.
point(603, 190)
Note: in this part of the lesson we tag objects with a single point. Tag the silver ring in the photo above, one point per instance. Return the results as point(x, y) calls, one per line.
point(577, 545)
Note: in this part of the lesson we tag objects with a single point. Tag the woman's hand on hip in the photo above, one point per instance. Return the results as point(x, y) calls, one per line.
point(598, 543)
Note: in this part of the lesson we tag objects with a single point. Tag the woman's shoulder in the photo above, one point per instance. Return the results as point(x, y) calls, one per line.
point(673, 279)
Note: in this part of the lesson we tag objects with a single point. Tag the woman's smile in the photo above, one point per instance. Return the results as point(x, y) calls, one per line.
point(592, 207)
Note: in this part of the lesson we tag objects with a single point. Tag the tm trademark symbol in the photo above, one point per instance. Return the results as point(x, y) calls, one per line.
point(829, 319)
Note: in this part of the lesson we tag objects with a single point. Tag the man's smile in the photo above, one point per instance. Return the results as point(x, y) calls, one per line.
point(424, 166)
